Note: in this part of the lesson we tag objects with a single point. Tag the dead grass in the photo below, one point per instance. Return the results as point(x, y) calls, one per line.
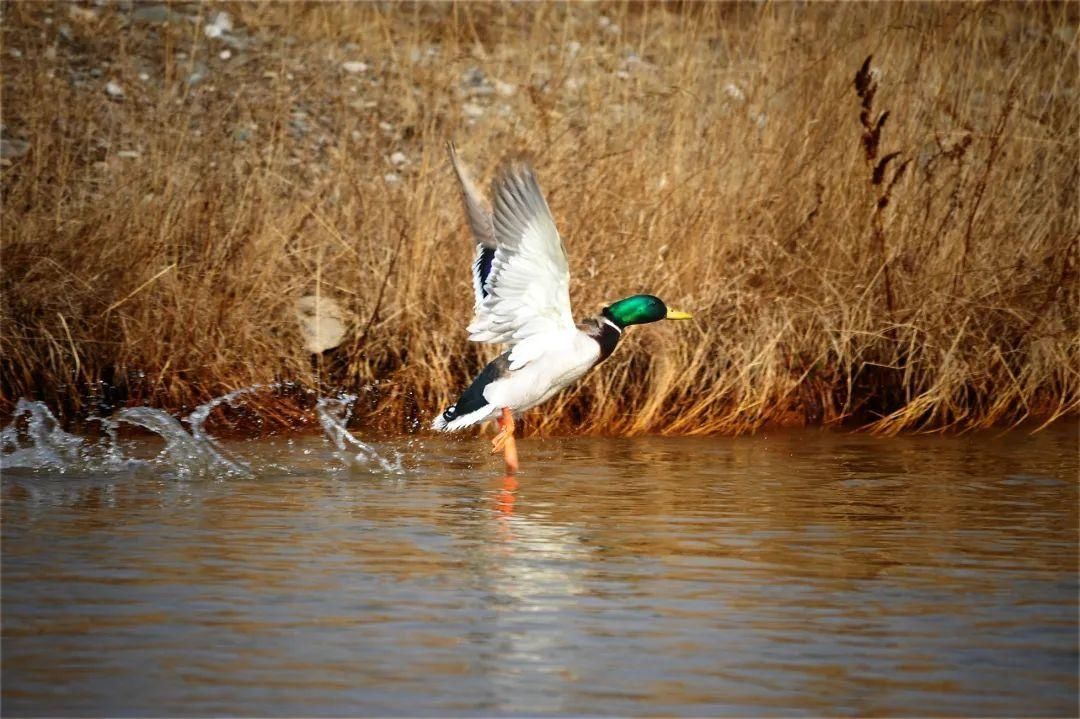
point(916, 272)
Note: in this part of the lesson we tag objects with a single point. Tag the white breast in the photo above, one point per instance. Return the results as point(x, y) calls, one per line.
point(559, 359)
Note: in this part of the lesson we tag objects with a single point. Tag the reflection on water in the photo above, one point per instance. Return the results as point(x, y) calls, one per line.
point(805, 572)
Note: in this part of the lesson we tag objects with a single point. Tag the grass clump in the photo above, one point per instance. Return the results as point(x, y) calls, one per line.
point(870, 209)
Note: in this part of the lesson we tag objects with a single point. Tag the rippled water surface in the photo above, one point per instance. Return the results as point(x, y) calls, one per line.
point(807, 573)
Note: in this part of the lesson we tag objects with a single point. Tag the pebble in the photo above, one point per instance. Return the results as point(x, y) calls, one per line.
point(353, 67)
point(152, 14)
point(474, 76)
point(219, 26)
point(225, 54)
point(608, 26)
point(144, 76)
point(10, 149)
point(472, 110)
point(82, 14)
point(505, 89)
point(129, 154)
point(734, 92)
point(114, 91)
point(198, 74)
point(398, 158)
point(391, 178)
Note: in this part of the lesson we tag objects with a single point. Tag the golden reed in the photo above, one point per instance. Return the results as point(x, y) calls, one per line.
point(871, 210)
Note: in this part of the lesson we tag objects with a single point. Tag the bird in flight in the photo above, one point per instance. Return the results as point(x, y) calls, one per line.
point(521, 281)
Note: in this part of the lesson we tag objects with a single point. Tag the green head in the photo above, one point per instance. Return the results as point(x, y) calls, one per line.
point(641, 309)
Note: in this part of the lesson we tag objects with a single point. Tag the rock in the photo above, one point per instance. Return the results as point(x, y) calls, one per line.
point(472, 110)
point(11, 148)
point(474, 77)
point(353, 67)
point(236, 43)
point(153, 14)
point(129, 154)
point(398, 158)
point(144, 76)
point(198, 74)
point(608, 26)
point(219, 26)
point(391, 178)
point(1065, 34)
point(114, 91)
point(225, 54)
point(82, 14)
point(505, 89)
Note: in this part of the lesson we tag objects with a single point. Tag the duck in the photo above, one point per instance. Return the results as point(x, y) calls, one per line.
point(521, 287)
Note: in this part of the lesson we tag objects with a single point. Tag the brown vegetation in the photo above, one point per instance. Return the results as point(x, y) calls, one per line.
point(915, 270)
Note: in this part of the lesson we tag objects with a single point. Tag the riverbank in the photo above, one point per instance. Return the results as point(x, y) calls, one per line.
point(176, 180)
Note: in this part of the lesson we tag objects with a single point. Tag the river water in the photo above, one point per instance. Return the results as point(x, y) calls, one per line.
point(790, 573)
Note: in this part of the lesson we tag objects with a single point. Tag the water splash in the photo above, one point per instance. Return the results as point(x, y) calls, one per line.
point(34, 440)
point(49, 446)
point(190, 455)
point(333, 413)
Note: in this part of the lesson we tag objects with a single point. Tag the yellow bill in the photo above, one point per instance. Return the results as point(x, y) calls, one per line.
point(678, 315)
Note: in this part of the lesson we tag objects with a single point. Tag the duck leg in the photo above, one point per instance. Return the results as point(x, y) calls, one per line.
point(504, 441)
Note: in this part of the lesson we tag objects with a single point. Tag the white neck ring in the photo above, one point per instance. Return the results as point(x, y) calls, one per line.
point(608, 322)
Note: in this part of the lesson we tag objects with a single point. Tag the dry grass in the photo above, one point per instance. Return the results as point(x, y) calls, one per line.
point(726, 169)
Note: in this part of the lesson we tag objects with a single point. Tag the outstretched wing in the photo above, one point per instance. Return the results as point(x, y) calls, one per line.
point(528, 289)
point(478, 212)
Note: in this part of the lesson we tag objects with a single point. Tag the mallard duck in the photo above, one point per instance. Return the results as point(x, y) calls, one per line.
point(521, 282)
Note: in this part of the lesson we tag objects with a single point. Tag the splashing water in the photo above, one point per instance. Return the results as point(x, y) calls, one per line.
point(34, 440)
point(333, 413)
point(50, 447)
point(186, 452)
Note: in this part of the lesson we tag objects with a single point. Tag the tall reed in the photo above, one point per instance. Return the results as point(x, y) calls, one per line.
point(718, 155)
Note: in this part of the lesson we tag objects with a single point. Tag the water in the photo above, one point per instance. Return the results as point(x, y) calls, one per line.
point(794, 573)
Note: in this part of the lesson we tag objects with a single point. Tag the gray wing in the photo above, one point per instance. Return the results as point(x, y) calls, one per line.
point(478, 212)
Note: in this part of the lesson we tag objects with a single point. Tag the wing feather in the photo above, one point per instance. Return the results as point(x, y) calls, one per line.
point(528, 289)
point(478, 212)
